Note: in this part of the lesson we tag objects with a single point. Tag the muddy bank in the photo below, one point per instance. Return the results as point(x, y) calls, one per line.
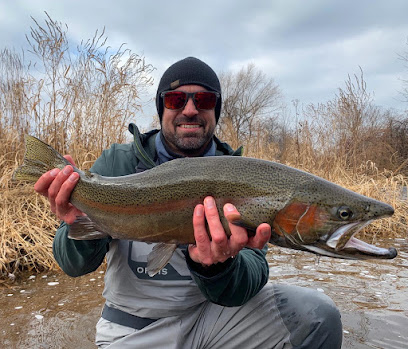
point(55, 311)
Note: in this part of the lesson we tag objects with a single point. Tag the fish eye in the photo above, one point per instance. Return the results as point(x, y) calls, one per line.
point(344, 213)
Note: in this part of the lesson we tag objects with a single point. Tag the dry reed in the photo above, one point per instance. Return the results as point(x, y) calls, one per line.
point(26, 231)
point(27, 225)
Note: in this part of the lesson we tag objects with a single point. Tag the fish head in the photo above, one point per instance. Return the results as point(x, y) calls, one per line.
point(326, 222)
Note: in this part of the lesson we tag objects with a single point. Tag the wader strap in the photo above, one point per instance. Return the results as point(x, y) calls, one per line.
point(125, 319)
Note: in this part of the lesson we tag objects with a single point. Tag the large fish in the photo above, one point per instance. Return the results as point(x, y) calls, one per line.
point(306, 212)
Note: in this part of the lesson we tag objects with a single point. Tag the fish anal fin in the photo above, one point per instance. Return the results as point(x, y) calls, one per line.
point(159, 257)
point(85, 229)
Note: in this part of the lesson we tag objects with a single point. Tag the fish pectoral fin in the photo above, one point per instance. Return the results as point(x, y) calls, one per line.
point(85, 229)
point(279, 240)
point(244, 223)
point(159, 257)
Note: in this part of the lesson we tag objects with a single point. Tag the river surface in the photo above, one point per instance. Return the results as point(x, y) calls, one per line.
point(52, 310)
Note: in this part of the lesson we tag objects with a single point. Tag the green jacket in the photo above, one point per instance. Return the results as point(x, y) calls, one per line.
point(231, 283)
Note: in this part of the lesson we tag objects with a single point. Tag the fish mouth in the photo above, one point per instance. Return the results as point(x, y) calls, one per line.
point(342, 244)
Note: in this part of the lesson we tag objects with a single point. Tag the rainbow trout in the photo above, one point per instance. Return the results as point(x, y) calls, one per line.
point(306, 212)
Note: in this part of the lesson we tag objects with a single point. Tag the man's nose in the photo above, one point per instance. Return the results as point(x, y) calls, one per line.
point(190, 109)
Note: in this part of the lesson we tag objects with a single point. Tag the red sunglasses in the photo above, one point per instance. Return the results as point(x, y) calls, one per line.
point(178, 99)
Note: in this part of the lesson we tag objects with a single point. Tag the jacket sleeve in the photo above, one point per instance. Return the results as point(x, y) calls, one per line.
point(235, 281)
point(79, 257)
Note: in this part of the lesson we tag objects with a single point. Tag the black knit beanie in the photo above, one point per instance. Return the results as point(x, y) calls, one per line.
point(188, 71)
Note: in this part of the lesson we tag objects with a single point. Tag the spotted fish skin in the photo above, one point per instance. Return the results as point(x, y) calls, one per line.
point(306, 212)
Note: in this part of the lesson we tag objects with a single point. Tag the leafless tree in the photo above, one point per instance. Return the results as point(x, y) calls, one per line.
point(395, 136)
point(250, 101)
point(404, 92)
point(349, 126)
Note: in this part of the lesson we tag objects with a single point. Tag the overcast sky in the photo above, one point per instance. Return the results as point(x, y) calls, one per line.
point(308, 46)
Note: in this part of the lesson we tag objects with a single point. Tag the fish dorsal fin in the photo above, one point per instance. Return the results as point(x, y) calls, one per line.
point(85, 229)
point(159, 257)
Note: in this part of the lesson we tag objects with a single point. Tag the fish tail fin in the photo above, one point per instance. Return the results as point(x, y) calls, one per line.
point(39, 158)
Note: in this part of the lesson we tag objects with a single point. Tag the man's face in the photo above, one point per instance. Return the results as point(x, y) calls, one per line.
point(188, 131)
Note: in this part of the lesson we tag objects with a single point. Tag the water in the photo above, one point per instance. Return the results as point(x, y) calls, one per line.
point(55, 311)
point(371, 295)
point(51, 311)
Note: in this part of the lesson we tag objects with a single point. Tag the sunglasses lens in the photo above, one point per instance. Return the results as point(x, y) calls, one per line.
point(202, 100)
point(174, 100)
point(205, 100)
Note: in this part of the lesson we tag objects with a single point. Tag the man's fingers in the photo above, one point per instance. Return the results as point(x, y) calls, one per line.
point(56, 184)
point(200, 231)
point(44, 182)
point(70, 159)
point(220, 246)
point(62, 204)
point(66, 189)
point(262, 236)
point(239, 235)
point(201, 252)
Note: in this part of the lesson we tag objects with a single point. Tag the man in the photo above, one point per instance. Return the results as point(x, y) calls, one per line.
point(213, 294)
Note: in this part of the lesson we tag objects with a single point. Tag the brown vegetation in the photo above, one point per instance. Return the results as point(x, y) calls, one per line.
point(80, 101)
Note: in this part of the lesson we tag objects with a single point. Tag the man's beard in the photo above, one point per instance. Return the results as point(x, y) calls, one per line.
point(189, 144)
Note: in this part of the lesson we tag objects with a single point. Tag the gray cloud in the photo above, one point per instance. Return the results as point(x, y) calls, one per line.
point(308, 47)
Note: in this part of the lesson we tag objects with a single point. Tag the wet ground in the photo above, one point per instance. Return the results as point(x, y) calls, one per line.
point(54, 311)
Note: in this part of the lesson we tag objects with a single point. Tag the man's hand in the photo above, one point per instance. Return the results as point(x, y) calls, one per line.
point(220, 247)
point(57, 185)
